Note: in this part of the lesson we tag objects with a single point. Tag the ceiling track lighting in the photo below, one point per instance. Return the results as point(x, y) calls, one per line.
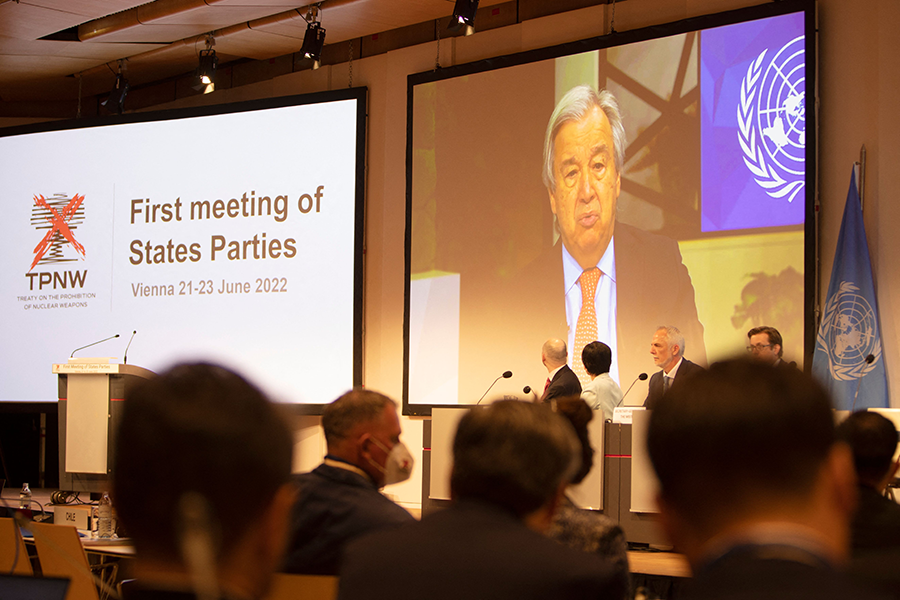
point(314, 40)
point(463, 17)
point(206, 69)
point(115, 102)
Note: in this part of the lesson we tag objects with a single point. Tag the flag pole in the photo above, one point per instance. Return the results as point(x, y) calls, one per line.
point(861, 178)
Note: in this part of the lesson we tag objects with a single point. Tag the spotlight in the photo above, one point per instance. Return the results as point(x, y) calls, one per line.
point(464, 16)
point(115, 103)
point(314, 40)
point(206, 71)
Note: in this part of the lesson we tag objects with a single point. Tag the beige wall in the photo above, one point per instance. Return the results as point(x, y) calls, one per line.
point(859, 87)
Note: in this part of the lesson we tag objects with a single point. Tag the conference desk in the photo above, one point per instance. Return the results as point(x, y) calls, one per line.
point(657, 564)
point(119, 549)
point(661, 564)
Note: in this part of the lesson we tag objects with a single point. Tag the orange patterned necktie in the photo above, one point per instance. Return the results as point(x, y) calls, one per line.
point(586, 327)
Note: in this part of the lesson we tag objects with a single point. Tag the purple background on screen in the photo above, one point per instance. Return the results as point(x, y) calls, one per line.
point(730, 196)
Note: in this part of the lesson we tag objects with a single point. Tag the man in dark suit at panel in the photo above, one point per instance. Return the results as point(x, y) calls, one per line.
point(875, 531)
point(511, 464)
point(755, 490)
point(561, 381)
point(764, 344)
point(667, 349)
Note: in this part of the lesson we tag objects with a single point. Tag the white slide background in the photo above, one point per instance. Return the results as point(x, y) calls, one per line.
point(297, 343)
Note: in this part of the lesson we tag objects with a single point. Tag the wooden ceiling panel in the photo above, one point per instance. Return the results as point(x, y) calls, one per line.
point(23, 67)
point(258, 45)
point(286, 24)
point(161, 38)
point(217, 16)
point(29, 22)
point(36, 19)
point(88, 9)
point(100, 52)
point(150, 34)
point(279, 5)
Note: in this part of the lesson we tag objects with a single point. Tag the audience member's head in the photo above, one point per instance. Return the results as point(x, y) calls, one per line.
point(873, 440)
point(362, 428)
point(515, 455)
point(746, 444)
point(764, 344)
point(596, 357)
point(554, 354)
point(189, 441)
point(579, 414)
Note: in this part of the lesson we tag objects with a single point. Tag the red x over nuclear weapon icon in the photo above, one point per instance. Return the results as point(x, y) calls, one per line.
point(59, 222)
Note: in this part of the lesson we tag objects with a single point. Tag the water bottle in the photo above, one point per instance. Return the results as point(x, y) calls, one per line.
point(104, 513)
point(25, 497)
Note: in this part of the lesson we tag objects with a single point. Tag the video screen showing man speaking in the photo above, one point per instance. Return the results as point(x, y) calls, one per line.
point(598, 196)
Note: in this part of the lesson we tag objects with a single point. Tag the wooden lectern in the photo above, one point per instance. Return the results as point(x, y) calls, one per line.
point(90, 394)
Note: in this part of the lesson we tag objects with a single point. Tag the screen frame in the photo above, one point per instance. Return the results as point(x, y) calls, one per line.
point(359, 94)
point(807, 7)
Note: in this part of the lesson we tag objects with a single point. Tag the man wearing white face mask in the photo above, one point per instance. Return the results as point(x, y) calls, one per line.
point(340, 499)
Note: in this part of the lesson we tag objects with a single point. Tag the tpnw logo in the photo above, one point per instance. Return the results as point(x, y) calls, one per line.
point(59, 217)
point(771, 118)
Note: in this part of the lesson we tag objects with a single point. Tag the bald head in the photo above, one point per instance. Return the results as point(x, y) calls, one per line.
point(554, 354)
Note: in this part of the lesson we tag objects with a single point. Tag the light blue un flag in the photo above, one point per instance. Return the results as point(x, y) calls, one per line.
point(849, 360)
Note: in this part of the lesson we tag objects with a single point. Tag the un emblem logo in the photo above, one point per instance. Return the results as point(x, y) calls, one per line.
point(848, 334)
point(771, 118)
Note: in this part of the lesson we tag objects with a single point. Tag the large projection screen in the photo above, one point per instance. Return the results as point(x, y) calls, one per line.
point(230, 234)
point(708, 224)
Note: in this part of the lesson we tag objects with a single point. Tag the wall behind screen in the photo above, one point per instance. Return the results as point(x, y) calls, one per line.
point(860, 90)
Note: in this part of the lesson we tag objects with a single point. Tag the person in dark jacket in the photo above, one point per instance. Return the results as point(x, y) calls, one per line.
point(340, 499)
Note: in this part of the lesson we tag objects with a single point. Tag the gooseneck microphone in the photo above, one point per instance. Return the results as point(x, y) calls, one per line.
point(527, 390)
point(642, 377)
point(869, 360)
point(506, 375)
point(94, 344)
point(125, 357)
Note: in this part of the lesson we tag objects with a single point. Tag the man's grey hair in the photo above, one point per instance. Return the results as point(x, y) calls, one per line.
point(673, 336)
point(514, 455)
point(574, 106)
point(355, 407)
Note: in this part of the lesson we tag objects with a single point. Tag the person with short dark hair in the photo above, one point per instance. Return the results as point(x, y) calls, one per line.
point(754, 489)
point(765, 346)
point(602, 393)
point(190, 441)
point(875, 531)
point(340, 500)
point(511, 463)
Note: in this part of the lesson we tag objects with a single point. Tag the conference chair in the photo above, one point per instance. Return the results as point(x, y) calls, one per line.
point(13, 554)
point(61, 554)
point(302, 587)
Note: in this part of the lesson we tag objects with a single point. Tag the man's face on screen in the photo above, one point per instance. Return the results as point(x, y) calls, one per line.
point(587, 186)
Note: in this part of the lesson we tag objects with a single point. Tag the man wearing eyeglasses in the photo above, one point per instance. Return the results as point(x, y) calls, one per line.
point(765, 346)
